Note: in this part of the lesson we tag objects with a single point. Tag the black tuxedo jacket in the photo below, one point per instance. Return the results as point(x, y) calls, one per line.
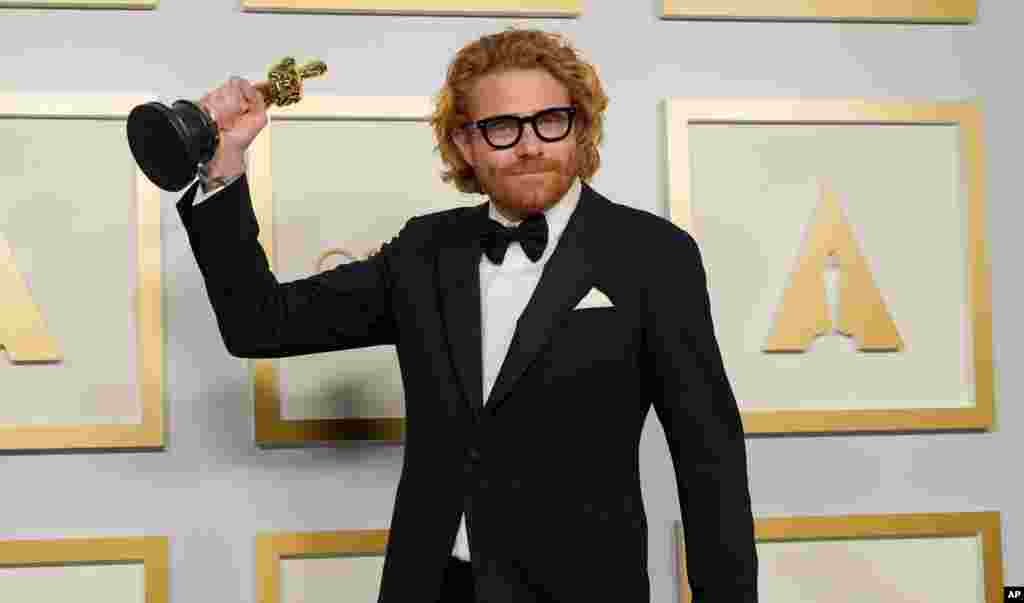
point(547, 471)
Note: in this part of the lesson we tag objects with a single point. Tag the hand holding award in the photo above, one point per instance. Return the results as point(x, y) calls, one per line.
point(169, 143)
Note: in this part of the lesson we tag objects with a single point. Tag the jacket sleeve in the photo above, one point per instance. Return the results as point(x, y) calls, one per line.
point(347, 307)
point(694, 401)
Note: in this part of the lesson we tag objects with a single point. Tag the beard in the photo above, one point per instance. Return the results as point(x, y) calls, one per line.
point(530, 186)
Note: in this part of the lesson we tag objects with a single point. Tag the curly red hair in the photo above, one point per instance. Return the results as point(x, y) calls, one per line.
point(518, 49)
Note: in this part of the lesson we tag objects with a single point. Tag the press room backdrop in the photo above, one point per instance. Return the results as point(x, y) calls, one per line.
point(211, 490)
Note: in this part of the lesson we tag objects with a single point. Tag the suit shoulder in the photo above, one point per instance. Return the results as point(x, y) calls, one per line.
point(656, 233)
point(667, 270)
point(433, 220)
point(444, 217)
point(428, 229)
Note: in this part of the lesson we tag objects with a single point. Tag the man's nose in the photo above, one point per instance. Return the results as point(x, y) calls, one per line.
point(529, 144)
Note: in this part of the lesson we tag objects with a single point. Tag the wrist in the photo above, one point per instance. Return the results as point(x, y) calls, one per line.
point(212, 182)
point(225, 164)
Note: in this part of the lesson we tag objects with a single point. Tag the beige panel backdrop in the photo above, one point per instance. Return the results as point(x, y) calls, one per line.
point(78, 4)
point(887, 558)
point(942, 11)
point(309, 567)
point(554, 8)
point(109, 583)
point(320, 580)
point(68, 213)
point(891, 570)
point(107, 570)
point(755, 188)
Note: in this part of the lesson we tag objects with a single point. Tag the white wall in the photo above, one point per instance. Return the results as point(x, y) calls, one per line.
point(212, 489)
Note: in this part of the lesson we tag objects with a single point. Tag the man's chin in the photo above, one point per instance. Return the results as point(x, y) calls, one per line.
point(535, 193)
point(538, 203)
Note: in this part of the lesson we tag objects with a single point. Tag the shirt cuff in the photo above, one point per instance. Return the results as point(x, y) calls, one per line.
point(202, 195)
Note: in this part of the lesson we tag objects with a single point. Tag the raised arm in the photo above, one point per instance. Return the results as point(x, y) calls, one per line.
point(348, 307)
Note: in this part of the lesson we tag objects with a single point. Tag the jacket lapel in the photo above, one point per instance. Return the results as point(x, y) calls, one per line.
point(459, 281)
point(566, 277)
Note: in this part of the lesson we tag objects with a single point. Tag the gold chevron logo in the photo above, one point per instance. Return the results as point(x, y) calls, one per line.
point(804, 313)
point(23, 332)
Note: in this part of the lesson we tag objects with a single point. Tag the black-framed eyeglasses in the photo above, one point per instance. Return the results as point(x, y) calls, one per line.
point(504, 131)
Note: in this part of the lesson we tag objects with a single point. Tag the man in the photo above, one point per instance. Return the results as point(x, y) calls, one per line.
point(529, 366)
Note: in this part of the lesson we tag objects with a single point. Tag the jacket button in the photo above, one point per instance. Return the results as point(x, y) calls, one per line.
point(474, 455)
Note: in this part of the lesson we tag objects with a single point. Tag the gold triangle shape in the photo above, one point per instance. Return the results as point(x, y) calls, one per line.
point(22, 330)
point(804, 312)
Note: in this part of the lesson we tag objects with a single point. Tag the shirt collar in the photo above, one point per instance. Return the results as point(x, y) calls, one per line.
point(557, 215)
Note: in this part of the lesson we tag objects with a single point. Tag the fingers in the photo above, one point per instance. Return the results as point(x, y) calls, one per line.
point(240, 112)
point(231, 99)
point(252, 97)
point(234, 100)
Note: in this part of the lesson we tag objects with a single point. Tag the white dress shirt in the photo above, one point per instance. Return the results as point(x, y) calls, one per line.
point(505, 290)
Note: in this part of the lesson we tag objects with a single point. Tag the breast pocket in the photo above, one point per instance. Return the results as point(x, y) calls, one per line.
point(591, 338)
point(609, 316)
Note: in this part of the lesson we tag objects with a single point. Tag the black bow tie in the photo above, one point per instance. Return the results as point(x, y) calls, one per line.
point(532, 234)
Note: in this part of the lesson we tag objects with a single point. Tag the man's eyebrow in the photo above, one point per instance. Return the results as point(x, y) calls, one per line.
point(524, 113)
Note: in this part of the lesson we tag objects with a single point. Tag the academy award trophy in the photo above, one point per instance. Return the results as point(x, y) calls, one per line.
point(169, 143)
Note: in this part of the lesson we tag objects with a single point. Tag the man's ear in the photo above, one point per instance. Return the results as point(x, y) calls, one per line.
point(461, 138)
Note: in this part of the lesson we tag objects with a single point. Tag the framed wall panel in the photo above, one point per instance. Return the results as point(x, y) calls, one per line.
point(925, 11)
point(113, 4)
point(838, 222)
point(113, 570)
point(934, 557)
point(343, 173)
point(311, 567)
point(81, 318)
point(520, 8)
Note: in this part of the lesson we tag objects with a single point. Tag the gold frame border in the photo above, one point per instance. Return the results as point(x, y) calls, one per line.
point(984, 525)
point(152, 551)
point(928, 11)
point(968, 116)
point(270, 428)
point(150, 433)
point(482, 8)
point(272, 548)
point(85, 4)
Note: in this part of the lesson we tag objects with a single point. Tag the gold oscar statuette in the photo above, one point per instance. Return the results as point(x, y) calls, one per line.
point(169, 143)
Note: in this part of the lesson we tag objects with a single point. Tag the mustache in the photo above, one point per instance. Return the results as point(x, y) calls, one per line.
point(532, 166)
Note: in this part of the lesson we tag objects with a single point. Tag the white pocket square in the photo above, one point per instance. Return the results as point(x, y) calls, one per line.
point(595, 298)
